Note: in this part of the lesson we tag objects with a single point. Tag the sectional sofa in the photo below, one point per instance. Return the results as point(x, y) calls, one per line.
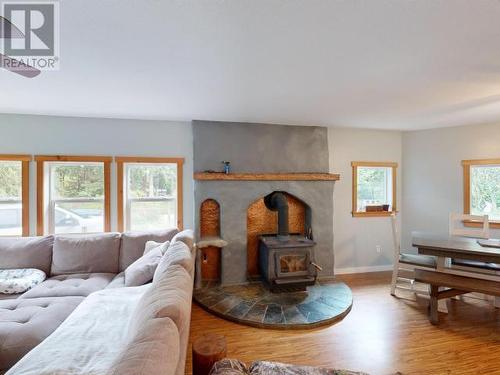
point(83, 319)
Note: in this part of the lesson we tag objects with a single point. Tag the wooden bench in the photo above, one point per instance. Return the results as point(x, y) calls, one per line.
point(457, 284)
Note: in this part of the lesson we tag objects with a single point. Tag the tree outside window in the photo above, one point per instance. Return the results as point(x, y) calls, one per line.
point(374, 188)
point(11, 207)
point(485, 191)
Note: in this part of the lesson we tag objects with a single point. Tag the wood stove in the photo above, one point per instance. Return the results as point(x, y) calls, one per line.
point(287, 265)
point(286, 262)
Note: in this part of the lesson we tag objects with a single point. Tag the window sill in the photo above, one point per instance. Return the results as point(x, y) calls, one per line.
point(474, 224)
point(373, 214)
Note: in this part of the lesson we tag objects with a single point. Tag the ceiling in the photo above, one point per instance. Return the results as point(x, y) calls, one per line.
point(382, 64)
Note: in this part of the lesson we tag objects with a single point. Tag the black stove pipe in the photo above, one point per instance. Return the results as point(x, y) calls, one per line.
point(277, 202)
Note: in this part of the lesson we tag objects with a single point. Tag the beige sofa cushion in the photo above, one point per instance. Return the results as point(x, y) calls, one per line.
point(70, 285)
point(154, 350)
point(177, 254)
point(133, 244)
point(25, 323)
point(168, 297)
point(27, 252)
point(186, 236)
point(142, 270)
point(86, 254)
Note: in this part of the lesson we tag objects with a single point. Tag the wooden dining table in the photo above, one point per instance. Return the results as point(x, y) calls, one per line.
point(448, 280)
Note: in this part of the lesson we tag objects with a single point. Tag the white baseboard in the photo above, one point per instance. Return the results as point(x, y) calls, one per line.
point(347, 270)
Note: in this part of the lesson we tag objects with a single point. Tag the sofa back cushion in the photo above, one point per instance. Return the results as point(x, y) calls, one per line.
point(142, 270)
point(154, 350)
point(90, 253)
point(186, 236)
point(177, 254)
point(133, 244)
point(26, 252)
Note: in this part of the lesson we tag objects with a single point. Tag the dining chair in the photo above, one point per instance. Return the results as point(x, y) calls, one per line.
point(481, 230)
point(405, 263)
point(481, 222)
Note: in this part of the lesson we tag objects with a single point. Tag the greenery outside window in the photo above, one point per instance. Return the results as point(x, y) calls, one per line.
point(149, 193)
point(482, 189)
point(73, 194)
point(373, 188)
point(14, 195)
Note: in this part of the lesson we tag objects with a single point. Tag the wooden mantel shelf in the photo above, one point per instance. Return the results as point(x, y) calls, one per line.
point(215, 176)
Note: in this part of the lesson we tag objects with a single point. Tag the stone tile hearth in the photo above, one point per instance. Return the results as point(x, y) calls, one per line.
point(253, 304)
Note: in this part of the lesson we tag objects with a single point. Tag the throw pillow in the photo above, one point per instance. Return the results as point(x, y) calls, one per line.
point(142, 270)
point(20, 280)
point(150, 245)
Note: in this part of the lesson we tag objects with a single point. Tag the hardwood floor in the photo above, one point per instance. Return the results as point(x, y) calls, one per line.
point(381, 335)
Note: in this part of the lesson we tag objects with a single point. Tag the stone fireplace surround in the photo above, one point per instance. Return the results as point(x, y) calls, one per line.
point(234, 198)
point(261, 148)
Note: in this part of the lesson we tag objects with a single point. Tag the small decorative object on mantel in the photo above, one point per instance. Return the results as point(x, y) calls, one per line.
point(227, 166)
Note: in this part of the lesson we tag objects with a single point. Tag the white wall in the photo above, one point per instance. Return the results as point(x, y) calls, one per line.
point(433, 175)
point(47, 135)
point(355, 238)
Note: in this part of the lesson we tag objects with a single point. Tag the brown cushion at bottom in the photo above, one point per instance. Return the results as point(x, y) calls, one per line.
point(24, 323)
point(269, 368)
point(228, 366)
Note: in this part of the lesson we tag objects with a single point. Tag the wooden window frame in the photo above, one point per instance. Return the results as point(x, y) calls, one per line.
point(40, 183)
point(466, 165)
point(121, 160)
point(25, 188)
point(355, 165)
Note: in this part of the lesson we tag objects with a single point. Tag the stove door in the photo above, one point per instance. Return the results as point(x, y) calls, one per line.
point(292, 263)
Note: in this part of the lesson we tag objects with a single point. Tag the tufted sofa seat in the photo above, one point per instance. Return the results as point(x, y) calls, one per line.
point(24, 323)
point(70, 285)
point(76, 266)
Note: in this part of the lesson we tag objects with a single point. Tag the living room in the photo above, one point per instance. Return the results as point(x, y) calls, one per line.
point(250, 187)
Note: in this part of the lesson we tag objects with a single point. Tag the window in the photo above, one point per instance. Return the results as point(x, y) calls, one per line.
point(373, 188)
point(73, 194)
point(482, 189)
point(14, 195)
point(149, 193)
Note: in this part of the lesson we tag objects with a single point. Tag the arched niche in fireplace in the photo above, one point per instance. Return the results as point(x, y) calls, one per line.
point(210, 228)
point(261, 220)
